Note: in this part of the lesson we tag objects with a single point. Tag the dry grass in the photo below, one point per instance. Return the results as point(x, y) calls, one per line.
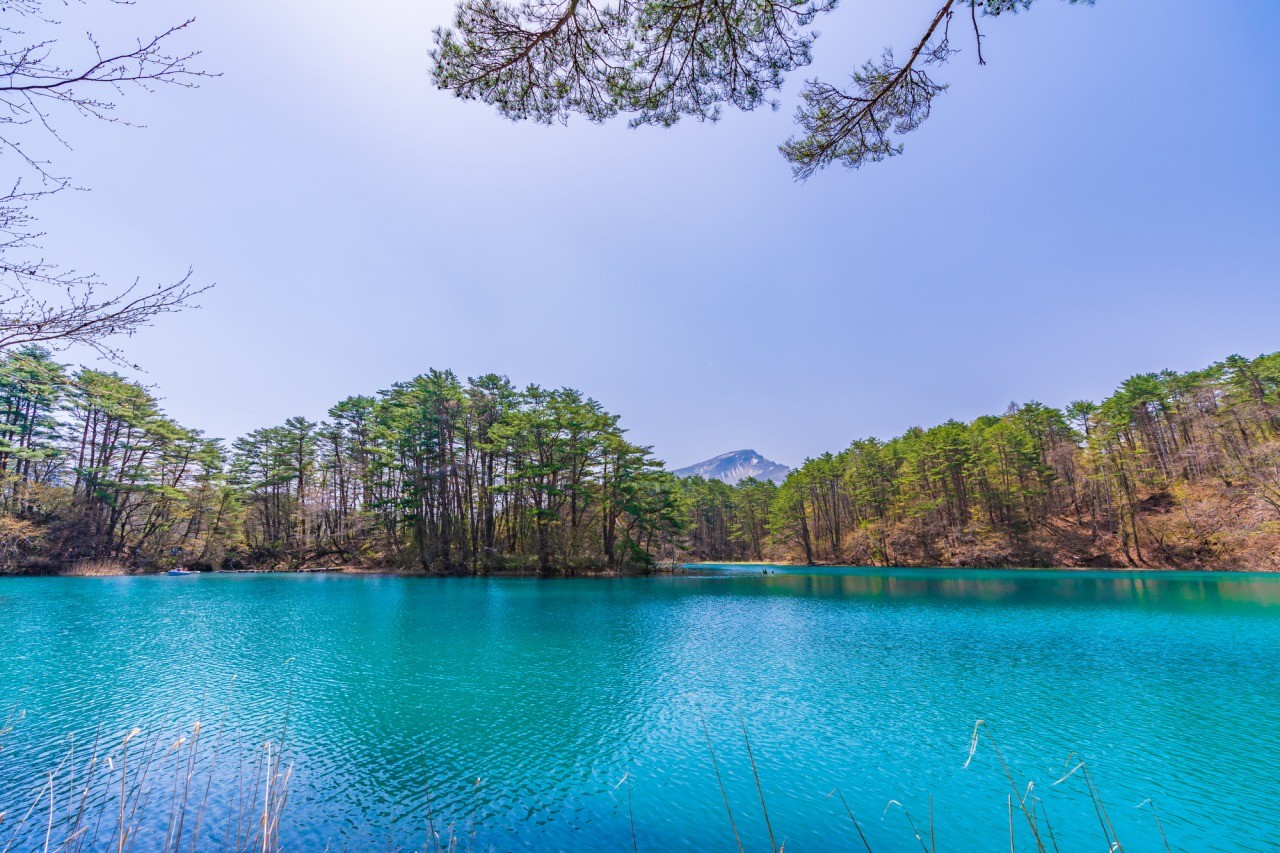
point(145, 791)
point(96, 569)
point(148, 791)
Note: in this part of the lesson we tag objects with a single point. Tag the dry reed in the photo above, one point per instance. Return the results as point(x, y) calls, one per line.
point(114, 797)
point(96, 568)
point(142, 790)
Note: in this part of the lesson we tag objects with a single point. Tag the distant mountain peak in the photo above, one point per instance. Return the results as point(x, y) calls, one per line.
point(735, 467)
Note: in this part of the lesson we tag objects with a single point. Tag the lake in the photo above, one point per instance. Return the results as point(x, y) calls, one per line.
point(584, 714)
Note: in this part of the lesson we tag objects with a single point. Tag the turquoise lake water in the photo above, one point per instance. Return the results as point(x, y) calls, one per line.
point(557, 714)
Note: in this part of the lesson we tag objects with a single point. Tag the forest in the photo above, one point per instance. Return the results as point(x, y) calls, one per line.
point(434, 474)
point(1173, 470)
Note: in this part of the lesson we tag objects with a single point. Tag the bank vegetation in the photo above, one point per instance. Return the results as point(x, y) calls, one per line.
point(1173, 470)
point(440, 475)
point(433, 474)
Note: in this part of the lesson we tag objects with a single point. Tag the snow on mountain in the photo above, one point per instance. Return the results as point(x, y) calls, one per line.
point(735, 467)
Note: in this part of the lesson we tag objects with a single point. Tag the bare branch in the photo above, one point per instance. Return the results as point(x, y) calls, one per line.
point(39, 302)
point(40, 305)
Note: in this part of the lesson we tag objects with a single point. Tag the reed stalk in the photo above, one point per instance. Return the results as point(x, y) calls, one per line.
point(773, 845)
point(1150, 803)
point(911, 821)
point(146, 791)
point(862, 836)
point(1008, 773)
point(715, 765)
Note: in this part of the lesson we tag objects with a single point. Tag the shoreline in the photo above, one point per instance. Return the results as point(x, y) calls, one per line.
point(355, 571)
point(682, 569)
point(1119, 570)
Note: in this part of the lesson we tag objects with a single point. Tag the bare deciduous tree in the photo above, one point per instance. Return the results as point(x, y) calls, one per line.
point(41, 85)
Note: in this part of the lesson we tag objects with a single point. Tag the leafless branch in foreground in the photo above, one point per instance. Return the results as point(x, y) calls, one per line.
point(41, 303)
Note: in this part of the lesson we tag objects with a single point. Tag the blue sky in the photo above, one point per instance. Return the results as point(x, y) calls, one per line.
point(1102, 198)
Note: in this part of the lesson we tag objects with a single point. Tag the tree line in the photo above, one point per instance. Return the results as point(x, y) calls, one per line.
point(432, 474)
point(443, 475)
point(440, 474)
point(1171, 470)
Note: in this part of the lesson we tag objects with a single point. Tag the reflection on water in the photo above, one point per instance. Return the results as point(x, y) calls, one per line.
point(1029, 587)
point(545, 714)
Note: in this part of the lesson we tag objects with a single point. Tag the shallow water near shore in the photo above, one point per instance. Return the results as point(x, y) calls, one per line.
point(555, 714)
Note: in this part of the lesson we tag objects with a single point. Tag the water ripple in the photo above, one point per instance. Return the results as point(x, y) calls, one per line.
point(521, 714)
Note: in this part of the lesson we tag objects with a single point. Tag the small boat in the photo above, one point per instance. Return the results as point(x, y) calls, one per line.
point(182, 571)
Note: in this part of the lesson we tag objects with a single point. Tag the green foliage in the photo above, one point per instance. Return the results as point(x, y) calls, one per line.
point(659, 60)
point(93, 469)
point(445, 476)
point(1015, 487)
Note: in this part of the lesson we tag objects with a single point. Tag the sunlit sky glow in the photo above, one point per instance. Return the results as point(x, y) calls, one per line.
point(1102, 198)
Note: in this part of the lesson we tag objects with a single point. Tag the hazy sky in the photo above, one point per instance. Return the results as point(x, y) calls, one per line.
point(1102, 198)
